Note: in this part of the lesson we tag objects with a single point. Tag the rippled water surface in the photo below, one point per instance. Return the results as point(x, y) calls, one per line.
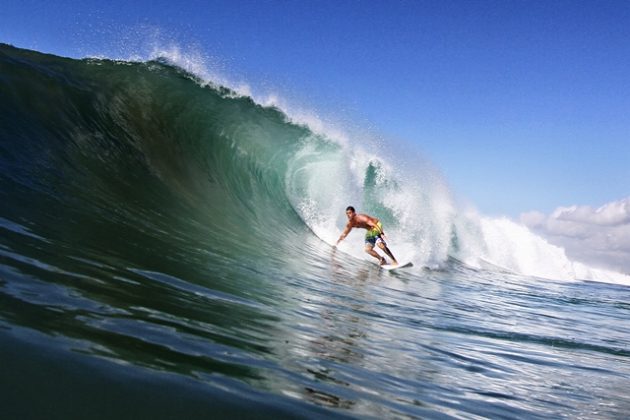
point(343, 338)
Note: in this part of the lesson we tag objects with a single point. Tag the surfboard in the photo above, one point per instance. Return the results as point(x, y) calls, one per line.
point(389, 267)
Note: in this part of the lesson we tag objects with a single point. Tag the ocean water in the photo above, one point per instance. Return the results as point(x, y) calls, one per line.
point(165, 252)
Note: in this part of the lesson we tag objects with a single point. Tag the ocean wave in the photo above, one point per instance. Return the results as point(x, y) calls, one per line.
point(150, 147)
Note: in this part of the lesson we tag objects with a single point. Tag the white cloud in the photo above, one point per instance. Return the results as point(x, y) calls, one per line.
point(611, 214)
point(596, 236)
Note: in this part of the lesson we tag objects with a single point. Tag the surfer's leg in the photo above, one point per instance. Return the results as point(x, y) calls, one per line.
point(381, 244)
point(369, 248)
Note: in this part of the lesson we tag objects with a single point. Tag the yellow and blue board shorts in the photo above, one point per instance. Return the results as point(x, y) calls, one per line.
point(373, 235)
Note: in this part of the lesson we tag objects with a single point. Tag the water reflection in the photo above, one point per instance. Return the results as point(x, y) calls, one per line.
point(339, 333)
point(364, 346)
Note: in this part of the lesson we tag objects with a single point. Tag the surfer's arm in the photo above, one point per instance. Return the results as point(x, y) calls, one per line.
point(344, 233)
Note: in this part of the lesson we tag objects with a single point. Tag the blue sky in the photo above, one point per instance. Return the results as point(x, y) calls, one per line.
point(523, 105)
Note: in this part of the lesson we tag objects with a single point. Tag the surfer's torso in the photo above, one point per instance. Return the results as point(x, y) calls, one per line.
point(363, 221)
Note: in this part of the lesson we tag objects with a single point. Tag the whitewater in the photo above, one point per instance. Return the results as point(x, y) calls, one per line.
point(166, 250)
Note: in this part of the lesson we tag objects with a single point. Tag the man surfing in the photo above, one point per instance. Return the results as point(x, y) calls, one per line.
point(374, 235)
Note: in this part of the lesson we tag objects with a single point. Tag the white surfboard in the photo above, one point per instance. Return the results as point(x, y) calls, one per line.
point(390, 267)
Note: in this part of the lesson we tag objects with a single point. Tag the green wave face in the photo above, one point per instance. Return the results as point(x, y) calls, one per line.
point(144, 150)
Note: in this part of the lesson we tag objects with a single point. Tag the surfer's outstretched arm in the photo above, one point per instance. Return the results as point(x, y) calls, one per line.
point(344, 233)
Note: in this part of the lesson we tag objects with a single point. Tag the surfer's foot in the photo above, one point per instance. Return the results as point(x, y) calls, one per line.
point(383, 261)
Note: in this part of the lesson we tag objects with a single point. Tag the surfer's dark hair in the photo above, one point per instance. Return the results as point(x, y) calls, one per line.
point(351, 208)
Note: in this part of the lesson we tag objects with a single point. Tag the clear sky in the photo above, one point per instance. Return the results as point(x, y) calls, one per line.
point(523, 105)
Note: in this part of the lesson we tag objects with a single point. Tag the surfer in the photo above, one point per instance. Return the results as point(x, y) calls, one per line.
point(374, 235)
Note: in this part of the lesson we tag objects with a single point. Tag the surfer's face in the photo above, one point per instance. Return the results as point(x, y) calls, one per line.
point(350, 214)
